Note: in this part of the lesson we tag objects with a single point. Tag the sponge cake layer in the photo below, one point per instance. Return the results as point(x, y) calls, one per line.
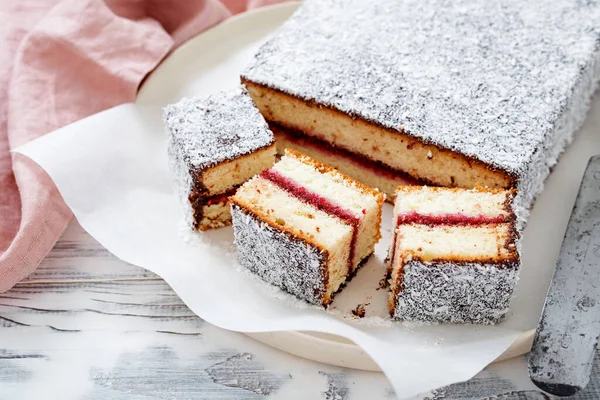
point(393, 148)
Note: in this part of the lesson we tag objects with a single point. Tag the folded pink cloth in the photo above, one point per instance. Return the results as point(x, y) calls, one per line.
point(62, 60)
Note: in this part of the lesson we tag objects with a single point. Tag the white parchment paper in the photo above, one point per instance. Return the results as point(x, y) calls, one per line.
point(111, 169)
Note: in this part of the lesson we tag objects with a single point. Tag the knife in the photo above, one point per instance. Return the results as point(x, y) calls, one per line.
point(565, 341)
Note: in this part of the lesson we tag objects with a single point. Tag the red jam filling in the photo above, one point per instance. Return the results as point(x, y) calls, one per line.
point(360, 160)
point(414, 217)
point(318, 202)
point(221, 198)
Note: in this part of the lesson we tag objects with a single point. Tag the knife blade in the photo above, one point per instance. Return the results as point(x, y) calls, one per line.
point(565, 341)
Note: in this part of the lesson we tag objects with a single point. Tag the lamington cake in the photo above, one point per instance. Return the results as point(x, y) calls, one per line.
point(304, 227)
point(215, 144)
point(451, 93)
point(454, 255)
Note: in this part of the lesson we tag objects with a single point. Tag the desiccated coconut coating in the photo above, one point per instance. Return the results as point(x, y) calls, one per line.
point(449, 292)
point(278, 258)
point(204, 132)
point(208, 131)
point(507, 82)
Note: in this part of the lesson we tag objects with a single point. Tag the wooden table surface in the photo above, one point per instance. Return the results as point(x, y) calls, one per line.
point(87, 325)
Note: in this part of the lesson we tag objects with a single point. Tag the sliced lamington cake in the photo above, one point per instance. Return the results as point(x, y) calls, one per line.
point(459, 93)
point(215, 144)
point(304, 227)
point(454, 256)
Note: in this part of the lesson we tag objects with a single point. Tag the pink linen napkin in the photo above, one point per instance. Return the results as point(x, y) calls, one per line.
point(62, 60)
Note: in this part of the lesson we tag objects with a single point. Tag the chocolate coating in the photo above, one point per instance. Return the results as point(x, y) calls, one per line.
point(289, 263)
point(455, 292)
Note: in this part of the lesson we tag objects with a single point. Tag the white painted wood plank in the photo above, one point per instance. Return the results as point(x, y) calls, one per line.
point(87, 325)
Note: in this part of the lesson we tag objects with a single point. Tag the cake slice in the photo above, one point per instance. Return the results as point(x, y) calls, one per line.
point(363, 169)
point(457, 93)
point(454, 255)
point(215, 144)
point(304, 227)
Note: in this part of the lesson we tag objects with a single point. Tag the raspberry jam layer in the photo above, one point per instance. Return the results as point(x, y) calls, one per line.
point(317, 201)
point(414, 217)
point(221, 198)
point(360, 160)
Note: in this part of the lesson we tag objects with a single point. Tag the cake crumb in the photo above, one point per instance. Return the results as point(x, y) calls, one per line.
point(383, 283)
point(360, 311)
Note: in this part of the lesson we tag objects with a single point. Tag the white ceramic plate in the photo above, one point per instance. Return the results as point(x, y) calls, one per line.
point(213, 60)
